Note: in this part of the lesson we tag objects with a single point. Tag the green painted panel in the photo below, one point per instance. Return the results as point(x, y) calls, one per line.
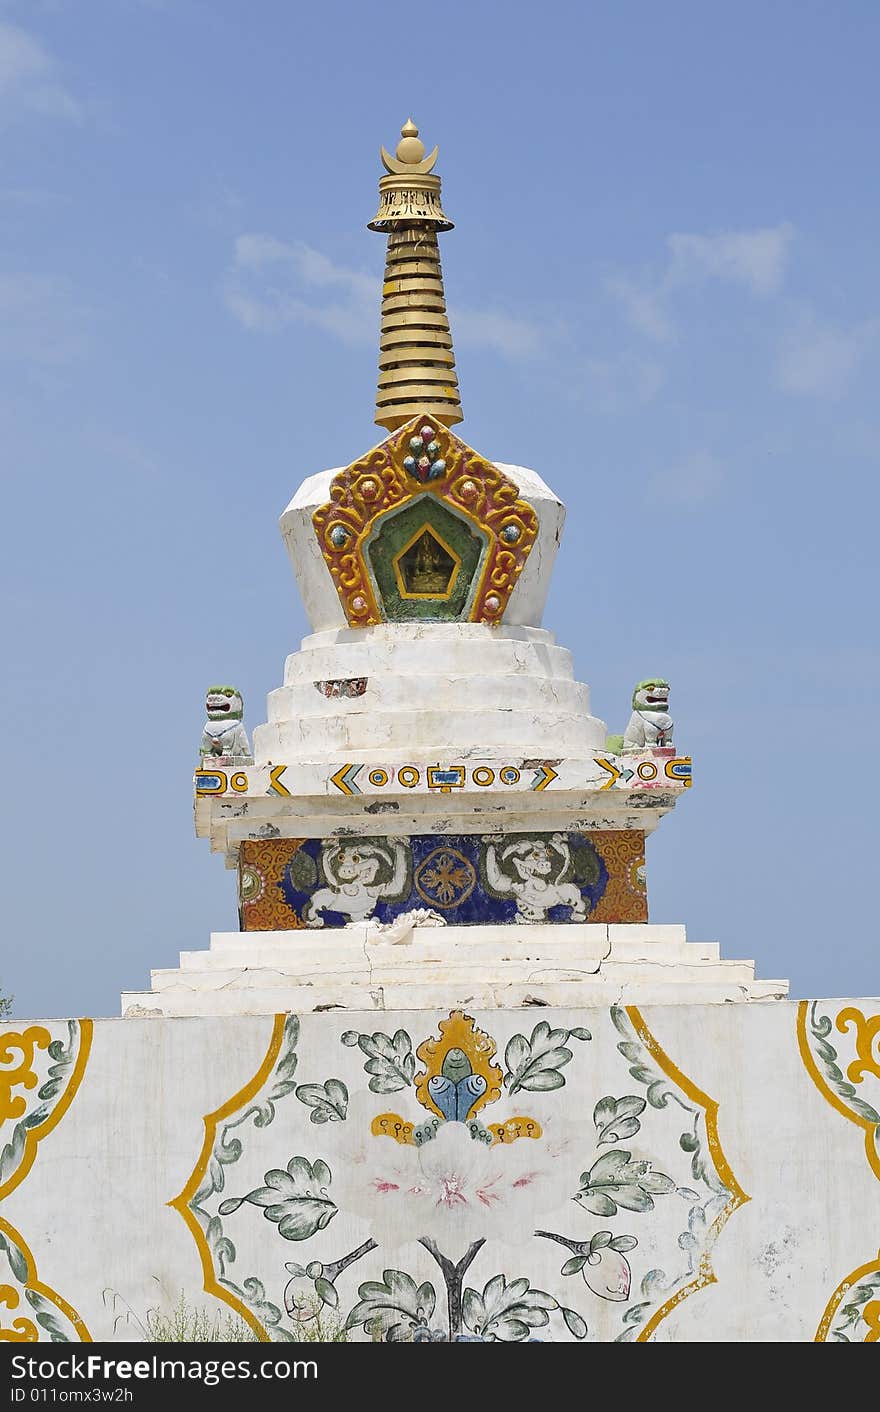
point(426, 540)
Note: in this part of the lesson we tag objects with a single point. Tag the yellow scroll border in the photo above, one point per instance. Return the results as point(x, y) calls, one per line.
point(705, 1274)
point(871, 1266)
point(181, 1203)
point(33, 1138)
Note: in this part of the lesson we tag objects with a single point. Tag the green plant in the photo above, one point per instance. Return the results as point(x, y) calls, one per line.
point(318, 1324)
point(184, 1323)
point(193, 1323)
point(187, 1323)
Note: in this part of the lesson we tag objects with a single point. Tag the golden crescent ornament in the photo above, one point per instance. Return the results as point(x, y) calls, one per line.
point(398, 168)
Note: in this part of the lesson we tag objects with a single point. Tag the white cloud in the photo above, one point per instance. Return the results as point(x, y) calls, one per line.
point(275, 283)
point(691, 482)
point(752, 258)
point(29, 77)
point(315, 270)
point(643, 307)
point(818, 360)
point(285, 277)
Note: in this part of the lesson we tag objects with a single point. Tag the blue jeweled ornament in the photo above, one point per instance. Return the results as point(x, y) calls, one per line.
point(456, 1088)
point(438, 468)
point(409, 465)
point(339, 536)
point(510, 534)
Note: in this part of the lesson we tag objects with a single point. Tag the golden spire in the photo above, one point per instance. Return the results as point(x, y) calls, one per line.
point(416, 361)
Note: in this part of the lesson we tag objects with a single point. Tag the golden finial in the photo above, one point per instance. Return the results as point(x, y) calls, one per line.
point(410, 191)
point(416, 361)
point(409, 148)
point(407, 160)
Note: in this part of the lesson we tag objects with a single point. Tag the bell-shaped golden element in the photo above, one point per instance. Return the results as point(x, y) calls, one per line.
point(416, 361)
point(411, 191)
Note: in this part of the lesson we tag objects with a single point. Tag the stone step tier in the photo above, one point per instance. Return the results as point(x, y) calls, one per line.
point(360, 968)
point(441, 687)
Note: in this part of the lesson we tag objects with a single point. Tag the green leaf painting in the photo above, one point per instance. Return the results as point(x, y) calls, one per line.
point(14, 1255)
point(295, 1199)
point(617, 1118)
point(615, 1180)
point(506, 1313)
point(390, 1061)
point(328, 1101)
point(575, 1324)
point(534, 1065)
point(393, 1308)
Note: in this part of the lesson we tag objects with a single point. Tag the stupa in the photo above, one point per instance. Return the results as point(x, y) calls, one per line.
point(446, 1082)
point(432, 815)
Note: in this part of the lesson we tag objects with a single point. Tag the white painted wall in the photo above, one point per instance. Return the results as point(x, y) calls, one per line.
point(93, 1208)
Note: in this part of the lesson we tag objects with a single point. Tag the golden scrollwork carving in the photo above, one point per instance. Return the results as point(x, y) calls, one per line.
point(21, 1073)
point(474, 488)
point(867, 1035)
point(39, 1077)
point(851, 1314)
point(21, 1330)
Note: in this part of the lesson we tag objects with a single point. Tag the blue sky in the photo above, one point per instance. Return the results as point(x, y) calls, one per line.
point(665, 294)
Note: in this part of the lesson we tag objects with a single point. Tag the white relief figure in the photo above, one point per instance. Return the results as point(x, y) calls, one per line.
point(358, 874)
point(532, 870)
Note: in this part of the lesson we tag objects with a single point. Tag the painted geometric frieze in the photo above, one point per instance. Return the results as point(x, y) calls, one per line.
point(423, 528)
point(840, 1048)
point(434, 1186)
point(653, 778)
point(467, 879)
point(41, 1067)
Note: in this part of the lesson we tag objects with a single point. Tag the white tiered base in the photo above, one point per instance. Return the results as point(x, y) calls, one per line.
point(491, 967)
point(427, 687)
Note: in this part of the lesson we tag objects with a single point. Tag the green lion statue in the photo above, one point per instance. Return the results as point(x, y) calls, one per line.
point(224, 739)
point(650, 724)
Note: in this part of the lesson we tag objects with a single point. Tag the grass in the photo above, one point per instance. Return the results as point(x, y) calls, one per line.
point(193, 1323)
point(187, 1323)
point(323, 1327)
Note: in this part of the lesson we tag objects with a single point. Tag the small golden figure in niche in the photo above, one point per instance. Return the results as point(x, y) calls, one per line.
point(426, 568)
